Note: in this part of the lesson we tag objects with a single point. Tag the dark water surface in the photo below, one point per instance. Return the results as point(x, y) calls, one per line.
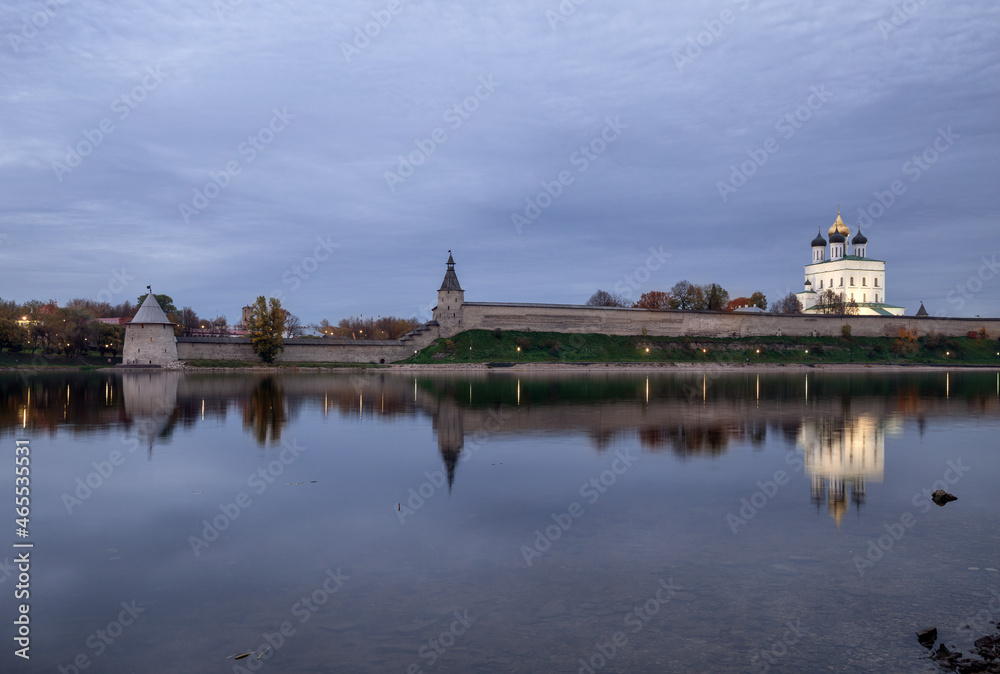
point(497, 523)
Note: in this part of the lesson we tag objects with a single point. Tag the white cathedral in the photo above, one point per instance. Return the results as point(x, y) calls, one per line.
point(853, 276)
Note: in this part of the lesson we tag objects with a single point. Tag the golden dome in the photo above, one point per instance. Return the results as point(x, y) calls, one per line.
point(839, 226)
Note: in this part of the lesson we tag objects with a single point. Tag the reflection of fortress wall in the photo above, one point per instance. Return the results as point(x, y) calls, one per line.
point(150, 399)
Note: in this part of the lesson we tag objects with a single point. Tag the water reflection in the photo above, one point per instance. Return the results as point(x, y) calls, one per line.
point(838, 421)
point(845, 454)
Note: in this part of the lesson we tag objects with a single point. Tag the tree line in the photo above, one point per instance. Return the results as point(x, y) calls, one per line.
point(687, 296)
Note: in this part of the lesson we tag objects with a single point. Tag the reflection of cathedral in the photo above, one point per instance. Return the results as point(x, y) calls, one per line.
point(842, 454)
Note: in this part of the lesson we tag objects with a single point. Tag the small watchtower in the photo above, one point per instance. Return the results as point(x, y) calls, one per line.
point(149, 337)
point(448, 312)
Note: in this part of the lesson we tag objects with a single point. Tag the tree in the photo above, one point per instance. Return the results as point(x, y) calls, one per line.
point(852, 308)
point(12, 335)
point(759, 300)
point(716, 297)
point(189, 319)
point(110, 338)
point(602, 298)
point(293, 326)
point(684, 296)
point(219, 323)
point(831, 302)
point(654, 299)
point(738, 303)
point(789, 304)
point(266, 325)
point(10, 310)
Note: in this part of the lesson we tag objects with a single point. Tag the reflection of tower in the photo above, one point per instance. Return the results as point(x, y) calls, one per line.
point(842, 454)
point(150, 400)
point(450, 426)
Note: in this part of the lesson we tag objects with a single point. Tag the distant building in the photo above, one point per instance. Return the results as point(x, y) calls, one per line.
point(853, 276)
point(120, 320)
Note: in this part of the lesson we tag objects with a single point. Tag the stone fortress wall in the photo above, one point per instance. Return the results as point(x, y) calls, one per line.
point(454, 315)
point(616, 321)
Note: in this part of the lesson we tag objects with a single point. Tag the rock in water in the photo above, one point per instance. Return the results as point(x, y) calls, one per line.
point(941, 497)
point(927, 637)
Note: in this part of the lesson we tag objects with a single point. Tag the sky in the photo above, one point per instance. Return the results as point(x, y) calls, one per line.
point(333, 153)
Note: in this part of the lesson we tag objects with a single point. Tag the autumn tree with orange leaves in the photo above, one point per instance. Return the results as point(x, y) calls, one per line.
point(654, 299)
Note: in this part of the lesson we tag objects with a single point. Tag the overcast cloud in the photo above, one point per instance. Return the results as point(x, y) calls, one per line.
point(290, 122)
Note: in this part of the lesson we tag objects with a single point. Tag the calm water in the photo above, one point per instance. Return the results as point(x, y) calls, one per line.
point(496, 523)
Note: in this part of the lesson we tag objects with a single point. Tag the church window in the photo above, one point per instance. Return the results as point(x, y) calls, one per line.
point(864, 281)
point(841, 281)
point(876, 282)
point(876, 298)
point(864, 297)
point(852, 280)
point(821, 284)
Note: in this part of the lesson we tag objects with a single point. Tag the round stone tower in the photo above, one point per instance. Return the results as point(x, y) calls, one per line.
point(149, 337)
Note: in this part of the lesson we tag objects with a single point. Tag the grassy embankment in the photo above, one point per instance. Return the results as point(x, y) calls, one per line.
point(549, 347)
point(27, 359)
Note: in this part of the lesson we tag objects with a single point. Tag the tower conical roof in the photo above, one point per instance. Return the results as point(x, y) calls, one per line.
point(150, 312)
point(450, 281)
point(921, 311)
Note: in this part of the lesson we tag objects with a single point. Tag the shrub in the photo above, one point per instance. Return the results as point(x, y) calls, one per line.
point(497, 333)
point(449, 345)
point(845, 330)
point(523, 342)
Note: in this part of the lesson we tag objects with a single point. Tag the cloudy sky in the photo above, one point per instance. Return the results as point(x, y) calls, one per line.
point(335, 152)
